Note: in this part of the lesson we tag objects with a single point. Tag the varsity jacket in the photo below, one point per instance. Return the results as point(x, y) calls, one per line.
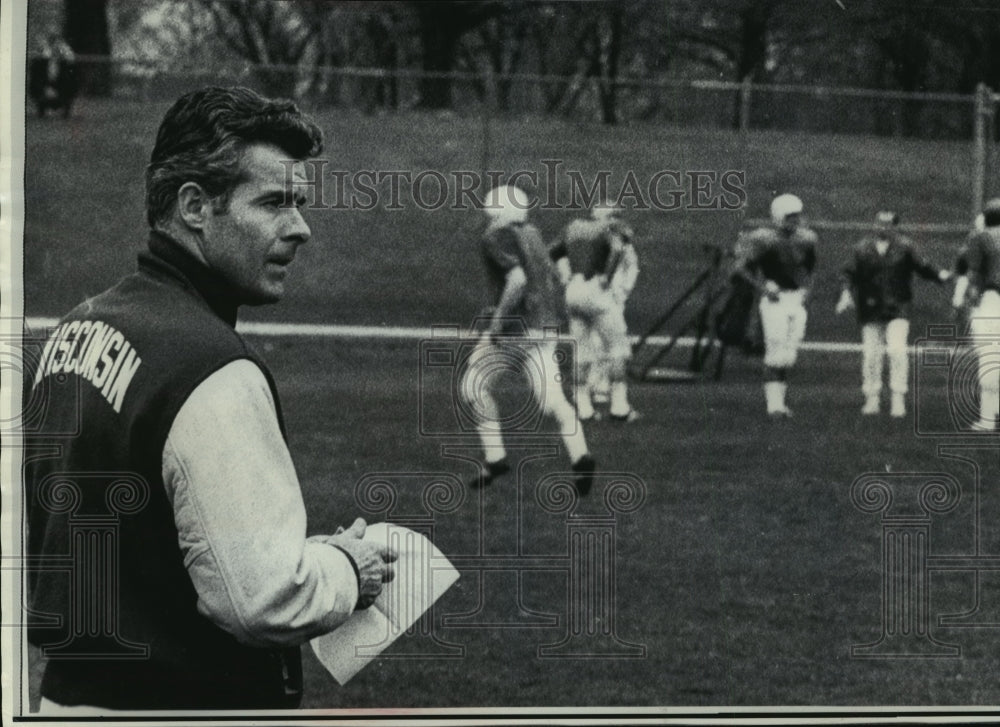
point(882, 283)
point(113, 605)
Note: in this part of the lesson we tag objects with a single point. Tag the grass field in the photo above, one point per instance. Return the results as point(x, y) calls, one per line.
point(747, 573)
point(413, 267)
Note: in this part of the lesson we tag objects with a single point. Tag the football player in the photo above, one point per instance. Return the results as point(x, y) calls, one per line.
point(622, 284)
point(779, 261)
point(981, 259)
point(528, 299)
point(879, 283)
point(589, 254)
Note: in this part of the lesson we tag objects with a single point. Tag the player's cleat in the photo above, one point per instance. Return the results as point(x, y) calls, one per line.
point(584, 469)
point(871, 406)
point(898, 410)
point(489, 471)
point(985, 424)
point(595, 416)
point(631, 416)
point(779, 414)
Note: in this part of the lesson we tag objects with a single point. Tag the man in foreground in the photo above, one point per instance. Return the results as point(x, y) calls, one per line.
point(212, 584)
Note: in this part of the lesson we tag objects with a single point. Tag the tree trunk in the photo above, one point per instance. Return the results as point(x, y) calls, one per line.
point(439, 44)
point(752, 51)
point(386, 58)
point(86, 31)
point(609, 80)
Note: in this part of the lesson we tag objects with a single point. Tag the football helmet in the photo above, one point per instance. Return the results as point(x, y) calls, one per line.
point(784, 205)
point(507, 204)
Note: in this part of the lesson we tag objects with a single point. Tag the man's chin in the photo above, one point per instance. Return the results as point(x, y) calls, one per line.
point(263, 297)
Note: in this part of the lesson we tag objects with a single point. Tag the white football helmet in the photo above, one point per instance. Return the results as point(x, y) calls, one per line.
point(784, 205)
point(604, 211)
point(507, 204)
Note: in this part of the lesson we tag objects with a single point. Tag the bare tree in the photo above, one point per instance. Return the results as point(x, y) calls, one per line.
point(272, 36)
point(86, 31)
point(610, 29)
point(500, 44)
point(441, 25)
point(382, 40)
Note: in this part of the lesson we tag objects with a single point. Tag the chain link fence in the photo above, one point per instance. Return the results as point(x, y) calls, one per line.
point(683, 102)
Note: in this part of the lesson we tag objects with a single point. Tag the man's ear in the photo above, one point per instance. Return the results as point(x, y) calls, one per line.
point(193, 205)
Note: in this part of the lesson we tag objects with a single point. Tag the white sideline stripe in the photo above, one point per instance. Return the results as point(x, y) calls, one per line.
point(404, 333)
point(927, 228)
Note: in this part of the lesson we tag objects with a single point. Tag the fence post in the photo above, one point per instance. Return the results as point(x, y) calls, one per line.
point(990, 187)
point(983, 97)
point(746, 87)
point(488, 107)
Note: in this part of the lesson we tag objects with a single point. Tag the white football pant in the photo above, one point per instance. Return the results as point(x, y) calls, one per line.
point(784, 324)
point(597, 325)
point(879, 341)
point(536, 360)
point(985, 325)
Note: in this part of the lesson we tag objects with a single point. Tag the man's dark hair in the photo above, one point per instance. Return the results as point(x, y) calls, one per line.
point(203, 135)
point(887, 218)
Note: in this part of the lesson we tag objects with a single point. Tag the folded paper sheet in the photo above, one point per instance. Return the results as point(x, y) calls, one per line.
point(422, 575)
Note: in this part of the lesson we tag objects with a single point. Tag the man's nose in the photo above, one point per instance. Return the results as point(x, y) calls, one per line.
point(298, 231)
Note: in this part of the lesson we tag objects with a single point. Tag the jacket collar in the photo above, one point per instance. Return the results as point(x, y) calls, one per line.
point(166, 259)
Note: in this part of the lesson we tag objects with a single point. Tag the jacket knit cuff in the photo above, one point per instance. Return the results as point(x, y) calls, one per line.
point(354, 565)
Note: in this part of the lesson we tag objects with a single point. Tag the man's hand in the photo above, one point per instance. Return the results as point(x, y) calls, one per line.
point(373, 561)
point(845, 303)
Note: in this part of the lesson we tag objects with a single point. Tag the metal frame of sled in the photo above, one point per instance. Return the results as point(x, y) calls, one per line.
point(653, 346)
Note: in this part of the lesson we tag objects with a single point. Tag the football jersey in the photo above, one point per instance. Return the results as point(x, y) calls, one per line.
point(786, 259)
point(592, 247)
point(520, 245)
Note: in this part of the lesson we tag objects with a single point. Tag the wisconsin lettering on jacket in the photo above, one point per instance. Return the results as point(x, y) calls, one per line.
point(97, 352)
